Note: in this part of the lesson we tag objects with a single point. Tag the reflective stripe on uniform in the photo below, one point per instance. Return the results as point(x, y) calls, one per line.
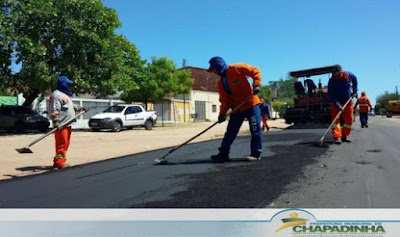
point(60, 156)
point(347, 125)
point(336, 125)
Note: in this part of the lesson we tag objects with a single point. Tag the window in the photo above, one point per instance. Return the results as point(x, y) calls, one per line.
point(138, 109)
point(114, 109)
point(214, 108)
point(130, 110)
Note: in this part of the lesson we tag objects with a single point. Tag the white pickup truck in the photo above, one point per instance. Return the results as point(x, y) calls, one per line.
point(123, 115)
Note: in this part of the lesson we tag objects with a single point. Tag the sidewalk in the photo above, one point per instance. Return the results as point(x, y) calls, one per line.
point(87, 146)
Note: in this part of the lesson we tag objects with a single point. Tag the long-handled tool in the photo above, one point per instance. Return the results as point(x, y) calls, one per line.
point(27, 148)
point(162, 160)
point(321, 141)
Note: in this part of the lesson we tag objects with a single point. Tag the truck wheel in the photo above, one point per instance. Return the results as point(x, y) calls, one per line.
point(148, 125)
point(116, 127)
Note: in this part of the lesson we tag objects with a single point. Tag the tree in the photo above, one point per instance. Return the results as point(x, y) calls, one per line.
point(158, 80)
point(382, 100)
point(265, 93)
point(282, 93)
point(76, 38)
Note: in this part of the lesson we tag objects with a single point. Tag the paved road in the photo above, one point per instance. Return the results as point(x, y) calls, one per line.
point(293, 173)
point(362, 174)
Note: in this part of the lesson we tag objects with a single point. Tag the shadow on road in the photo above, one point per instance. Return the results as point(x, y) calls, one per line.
point(34, 168)
point(199, 162)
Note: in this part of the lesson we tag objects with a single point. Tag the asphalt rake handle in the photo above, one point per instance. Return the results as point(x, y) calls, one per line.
point(163, 160)
point(27, 149)
point(321, 141)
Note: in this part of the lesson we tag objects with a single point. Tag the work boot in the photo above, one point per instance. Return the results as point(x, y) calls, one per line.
point(222, 156)
point(366, 125)
point(338, 141)
point(253, 158)
point(344, 139)
point(60, 167)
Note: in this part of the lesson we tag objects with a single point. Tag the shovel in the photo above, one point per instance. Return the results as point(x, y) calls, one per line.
point(163, 160)
point(321, 141)
point(27, 149)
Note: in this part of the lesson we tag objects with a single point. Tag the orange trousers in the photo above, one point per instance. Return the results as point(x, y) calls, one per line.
point(63, 138)
point(264, 122)
point(338, 131)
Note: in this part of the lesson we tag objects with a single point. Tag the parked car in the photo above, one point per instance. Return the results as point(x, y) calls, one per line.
point(123, 115)
point(20, 119)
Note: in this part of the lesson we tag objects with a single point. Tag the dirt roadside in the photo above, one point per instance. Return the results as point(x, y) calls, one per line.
point(87, 146)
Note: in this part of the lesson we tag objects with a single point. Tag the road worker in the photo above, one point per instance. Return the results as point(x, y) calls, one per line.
point(264, 115)
point(365, 105)
point(62, 109)
point(233, 89)
point(342, 87)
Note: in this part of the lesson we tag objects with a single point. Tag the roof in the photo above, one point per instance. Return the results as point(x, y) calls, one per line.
point(315, 71)
point(203, 80)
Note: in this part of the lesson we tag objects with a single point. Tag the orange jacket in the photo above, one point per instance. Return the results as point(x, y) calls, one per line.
point(364, 104)
point(240, 88)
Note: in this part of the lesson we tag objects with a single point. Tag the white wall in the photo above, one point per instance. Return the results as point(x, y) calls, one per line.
point(211, 98)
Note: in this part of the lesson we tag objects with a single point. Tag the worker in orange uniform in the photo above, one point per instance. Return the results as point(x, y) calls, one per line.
point(233, 89)
point(365, 106)
point(342, 87)
point(62, 109)
point(264, 115)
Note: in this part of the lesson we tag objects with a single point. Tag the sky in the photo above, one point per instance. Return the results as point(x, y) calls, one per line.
point(277, 36)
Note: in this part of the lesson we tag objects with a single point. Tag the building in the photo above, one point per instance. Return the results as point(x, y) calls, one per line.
point(201, 105)
point(204, 101)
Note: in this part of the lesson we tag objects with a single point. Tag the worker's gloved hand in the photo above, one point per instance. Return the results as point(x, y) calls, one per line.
point(221, 118)
point(77, 107)
point(340, 108)
point(83, 109)
point(256, 90)
point(57, 125)
point(354, 95)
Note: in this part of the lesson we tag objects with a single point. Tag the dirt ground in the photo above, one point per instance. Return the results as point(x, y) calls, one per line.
point(87, 146)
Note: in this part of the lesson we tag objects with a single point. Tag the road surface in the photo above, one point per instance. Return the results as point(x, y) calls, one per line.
point(293, 172)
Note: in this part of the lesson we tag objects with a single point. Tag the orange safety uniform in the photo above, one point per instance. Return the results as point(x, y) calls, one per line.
point(62, 109)
point(341, 86)
point(347, 115)
point(364, 103)
point(63, 140)
point(236, 75)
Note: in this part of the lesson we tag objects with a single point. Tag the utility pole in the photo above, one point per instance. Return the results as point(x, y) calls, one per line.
point(397, 94)
point(184, 96)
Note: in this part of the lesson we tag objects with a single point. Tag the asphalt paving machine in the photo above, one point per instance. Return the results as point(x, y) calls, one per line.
point(311, 103)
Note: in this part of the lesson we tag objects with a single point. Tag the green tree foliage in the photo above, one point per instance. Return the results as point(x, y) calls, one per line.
point(282, 93)
point(6, 42)
point(265, 93)
point(283, 89)
point(70, 37)
point(158, 80)
point(382, 100)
